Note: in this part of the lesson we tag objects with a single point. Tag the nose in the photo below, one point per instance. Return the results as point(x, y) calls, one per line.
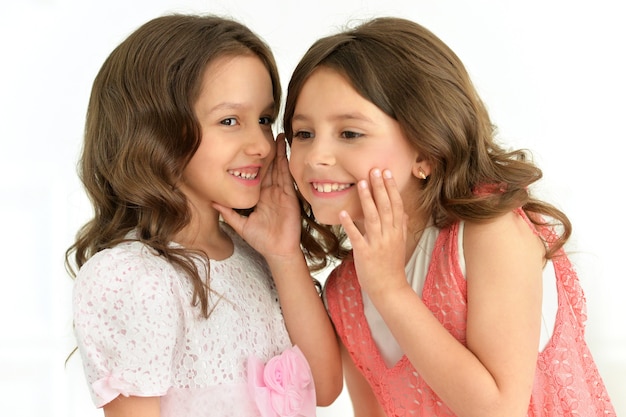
point(320, 152)
point(260, 142)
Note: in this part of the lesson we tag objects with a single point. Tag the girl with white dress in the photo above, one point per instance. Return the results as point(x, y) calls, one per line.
point(175, 314)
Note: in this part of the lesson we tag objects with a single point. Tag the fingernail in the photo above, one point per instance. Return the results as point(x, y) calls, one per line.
point(363, 184)
point(387, 174)
point(376, 172)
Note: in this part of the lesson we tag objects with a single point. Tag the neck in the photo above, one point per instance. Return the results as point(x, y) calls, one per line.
point(205, 234)
point(415, 230)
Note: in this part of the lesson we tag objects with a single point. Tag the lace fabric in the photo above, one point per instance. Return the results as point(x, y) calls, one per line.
point(138, 333)
point(567, 381)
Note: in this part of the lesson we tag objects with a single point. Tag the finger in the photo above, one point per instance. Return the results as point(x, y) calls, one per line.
point(268, 179)
point(353, 233)
point(371, 219)
point(381, 197)
point(405, 226)
point(283, 176)
point(281, 147)
point(395, 199)
point(277, 159)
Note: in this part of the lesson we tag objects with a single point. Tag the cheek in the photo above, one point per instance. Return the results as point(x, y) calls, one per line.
point(400, 164)
point(295, 160)
point(362, 167)
point(295, 168)
point(292, 165)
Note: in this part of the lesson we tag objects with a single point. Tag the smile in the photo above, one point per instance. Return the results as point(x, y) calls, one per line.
point(328, 187)
point(248, 175)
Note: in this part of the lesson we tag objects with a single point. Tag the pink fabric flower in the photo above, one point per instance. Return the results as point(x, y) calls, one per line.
point(284, 386)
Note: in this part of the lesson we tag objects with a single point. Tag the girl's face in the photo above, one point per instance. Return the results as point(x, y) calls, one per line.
point(338, 137)
point(234, 110)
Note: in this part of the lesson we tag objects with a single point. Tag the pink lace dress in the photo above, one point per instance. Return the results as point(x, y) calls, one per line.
point(139, 335)
point(567, 382)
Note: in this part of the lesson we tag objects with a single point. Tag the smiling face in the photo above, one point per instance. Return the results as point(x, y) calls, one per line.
point(338, 137)
point(234, 110)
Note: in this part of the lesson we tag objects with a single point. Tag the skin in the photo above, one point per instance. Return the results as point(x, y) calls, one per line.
point(235, 151)
point(273, 229)
point(133, 406)
point(237, 138)
point(493, 374)
point(338, 136)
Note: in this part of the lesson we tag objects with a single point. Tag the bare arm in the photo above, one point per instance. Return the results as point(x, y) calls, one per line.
point(273, 229)
point(309, 325)
point(493, 375)
point(364, 403)
point(133, 407)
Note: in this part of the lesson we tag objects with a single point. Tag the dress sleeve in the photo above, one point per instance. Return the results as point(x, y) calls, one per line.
point(126, 321)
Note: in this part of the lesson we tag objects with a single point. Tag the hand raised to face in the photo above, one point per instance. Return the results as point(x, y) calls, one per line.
point(273, 228)
point(379, 240)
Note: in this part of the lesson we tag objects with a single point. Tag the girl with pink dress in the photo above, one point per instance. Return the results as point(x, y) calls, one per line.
point(454, 296)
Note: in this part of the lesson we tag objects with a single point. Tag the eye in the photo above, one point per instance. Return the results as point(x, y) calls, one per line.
point(350, 135)
point(231, 121)
point(302, 135)
point(265, 120)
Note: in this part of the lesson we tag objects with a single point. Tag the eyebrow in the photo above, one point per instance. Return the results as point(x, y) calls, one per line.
point(228, 105)
point(339, 117)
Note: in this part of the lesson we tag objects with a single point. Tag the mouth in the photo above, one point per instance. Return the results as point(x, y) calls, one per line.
point(330, 187)
point(245, 173)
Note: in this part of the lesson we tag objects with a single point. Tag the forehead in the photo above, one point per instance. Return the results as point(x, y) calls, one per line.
point(242, 79)
point(230, 67)
point(328, 93)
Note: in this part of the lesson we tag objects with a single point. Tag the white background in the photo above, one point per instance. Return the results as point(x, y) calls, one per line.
point(551, 73)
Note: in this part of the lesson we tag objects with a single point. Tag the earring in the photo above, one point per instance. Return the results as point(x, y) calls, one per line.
point(421, 174)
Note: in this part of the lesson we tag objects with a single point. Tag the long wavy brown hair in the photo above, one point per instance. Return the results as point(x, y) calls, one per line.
point(415, 78)
point(141, 132)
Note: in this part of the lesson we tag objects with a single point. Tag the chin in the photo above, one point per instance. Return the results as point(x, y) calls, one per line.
point(326, 217)
point(247, 203)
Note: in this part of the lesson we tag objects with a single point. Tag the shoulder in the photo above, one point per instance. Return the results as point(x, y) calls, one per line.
point(125, 257)
point(124, 267)
point(508, 238)
point(513, 224)
point(126, 286)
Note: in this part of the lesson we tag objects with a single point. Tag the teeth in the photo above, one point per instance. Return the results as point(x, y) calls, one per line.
point(243, 175)
point(328, 187)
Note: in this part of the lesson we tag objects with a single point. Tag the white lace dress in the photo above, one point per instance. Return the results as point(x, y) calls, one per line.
point(139, 335)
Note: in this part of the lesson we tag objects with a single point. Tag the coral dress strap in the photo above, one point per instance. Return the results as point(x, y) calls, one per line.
point(566, 275)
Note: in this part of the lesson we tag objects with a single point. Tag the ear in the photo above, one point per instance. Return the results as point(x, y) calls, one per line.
point(421, 168)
